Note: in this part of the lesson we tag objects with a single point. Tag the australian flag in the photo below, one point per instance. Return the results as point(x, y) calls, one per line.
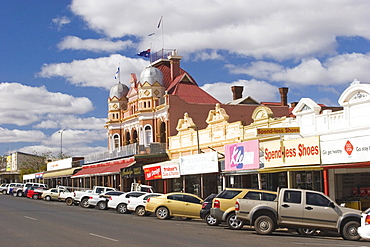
point(144, 53)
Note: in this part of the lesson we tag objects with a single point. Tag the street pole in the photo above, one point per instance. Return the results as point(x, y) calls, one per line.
point(61, 143)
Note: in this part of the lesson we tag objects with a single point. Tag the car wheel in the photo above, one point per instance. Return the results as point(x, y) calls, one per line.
point(47, 198)
point(84, 203)
point(14, 194)
point(35, 196)
point(69, 201)
point(4, 192)
point(102, 205)
point(20, 193)
point(122, 208)
point(162, 213)
point(233, 222)
point(306, 231)
point(140, 211)
point(349, 231)
point(211, 221)
point(264, 225)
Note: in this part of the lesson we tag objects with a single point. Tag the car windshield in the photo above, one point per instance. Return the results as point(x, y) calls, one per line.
point(229, 194)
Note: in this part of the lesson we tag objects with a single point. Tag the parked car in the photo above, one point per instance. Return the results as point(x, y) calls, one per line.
point(223, 206)
point(101, 201)
point(4, 188)
point(120, 202)
point(35, 192)
point(298, 208)
point(137, 204)
point(205, 211)
point(11, 187)
point(364, 229)
point(53, 194)
point(22, 191)
point(175, 204)
point(82, 197)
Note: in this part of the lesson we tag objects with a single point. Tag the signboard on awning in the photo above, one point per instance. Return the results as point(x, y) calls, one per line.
point(199, 163)
point(162, 170)
point(242, 156)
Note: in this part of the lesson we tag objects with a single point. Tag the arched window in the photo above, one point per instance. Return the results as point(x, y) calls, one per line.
point(116, 142)
point(148, 134)
point(163, 134)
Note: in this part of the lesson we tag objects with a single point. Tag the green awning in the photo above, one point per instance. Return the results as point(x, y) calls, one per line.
point(61, 173)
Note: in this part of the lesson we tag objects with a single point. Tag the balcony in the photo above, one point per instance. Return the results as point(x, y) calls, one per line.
point(128, 150)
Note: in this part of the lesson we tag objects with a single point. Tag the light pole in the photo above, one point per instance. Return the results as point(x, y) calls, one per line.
point(61, 142)
point(195, 127)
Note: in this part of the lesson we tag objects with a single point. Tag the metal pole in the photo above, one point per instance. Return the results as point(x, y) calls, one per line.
point(61, 143)
point(196, 128)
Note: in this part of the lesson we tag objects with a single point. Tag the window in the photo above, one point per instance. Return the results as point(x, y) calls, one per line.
point(116, 141)
point(316, 200)
point(191, 199)
point(262, 196)
point(176, 197)
point(292, 196)
point(229, 194)
point(148, 135)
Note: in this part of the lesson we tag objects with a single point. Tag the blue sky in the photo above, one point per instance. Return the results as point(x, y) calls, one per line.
point(58, 58)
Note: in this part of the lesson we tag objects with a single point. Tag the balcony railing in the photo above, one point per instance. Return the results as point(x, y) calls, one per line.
point(161, 54)
point(127, 150)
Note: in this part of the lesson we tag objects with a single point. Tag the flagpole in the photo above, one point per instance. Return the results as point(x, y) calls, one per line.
point(119, 72)
point(162, 33)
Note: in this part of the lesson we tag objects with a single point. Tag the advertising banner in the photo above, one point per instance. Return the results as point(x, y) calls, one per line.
point(163, 170)
point(242, 156)
point(199, 163)
point(59, 164)
point(349, 150)
point(303, 151)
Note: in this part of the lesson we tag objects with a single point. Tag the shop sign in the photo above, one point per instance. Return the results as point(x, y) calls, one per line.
point(303, 151)
point(199, 163)
point(349, 150)
point(278, 131)
point(39, 175)
point(162, 171)
point(131, 172)
point(59, 164)
point(242, 156)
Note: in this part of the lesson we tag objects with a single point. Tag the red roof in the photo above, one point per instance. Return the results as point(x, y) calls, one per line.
point(113, 167)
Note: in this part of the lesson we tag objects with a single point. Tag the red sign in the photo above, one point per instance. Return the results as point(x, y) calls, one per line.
point(153, 172)
point(348, 147)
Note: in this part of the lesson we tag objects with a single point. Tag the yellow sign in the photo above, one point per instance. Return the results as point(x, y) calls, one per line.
point(278, 131)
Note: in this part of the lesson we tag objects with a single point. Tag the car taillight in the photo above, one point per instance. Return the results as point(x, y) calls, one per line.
point(204, 204)
point(237, 206)
point(216, 204)
point(128, 201)
point(90, 197)
point(74, 194)
point(148, 199)
point(367, 220)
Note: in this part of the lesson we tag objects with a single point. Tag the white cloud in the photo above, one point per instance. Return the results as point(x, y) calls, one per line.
point(95, 45)
point(258, 90)
point(61, 21)
point(11, 136)
point(273, 29)
point(54, 121)
point(71, 137)
point(38, 101)
point(97, 72)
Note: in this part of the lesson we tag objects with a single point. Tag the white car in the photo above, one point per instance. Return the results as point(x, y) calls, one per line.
point(364, 229)
point(120, 202)
point(137, 204)
point(101, 201)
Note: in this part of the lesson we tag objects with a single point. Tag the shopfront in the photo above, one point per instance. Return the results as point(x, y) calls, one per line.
point(347, 170)
point(200, 173)
point(292, 164)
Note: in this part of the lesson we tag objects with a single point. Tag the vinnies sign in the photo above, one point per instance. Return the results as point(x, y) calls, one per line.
point(242, 156)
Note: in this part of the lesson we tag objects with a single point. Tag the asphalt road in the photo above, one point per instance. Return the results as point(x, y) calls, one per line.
point(26, 222)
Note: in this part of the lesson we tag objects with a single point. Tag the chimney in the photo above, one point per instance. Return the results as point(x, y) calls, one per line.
point(175, 64)
point(237, 92)
point(283, 96)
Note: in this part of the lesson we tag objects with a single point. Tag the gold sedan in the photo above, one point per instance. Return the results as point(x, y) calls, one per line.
point(175, 204)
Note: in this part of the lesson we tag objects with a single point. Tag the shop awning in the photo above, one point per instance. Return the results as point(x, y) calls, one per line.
point(106, 168)
point(240, 172)
point(351, 165)
point(290, 168)
point(61, 173)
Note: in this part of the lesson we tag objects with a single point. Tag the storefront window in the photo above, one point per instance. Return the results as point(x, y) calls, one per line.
point(192, 184)
point(272, 181)
point(310, 180)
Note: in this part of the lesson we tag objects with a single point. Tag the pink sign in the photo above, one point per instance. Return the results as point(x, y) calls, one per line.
point(242, 156)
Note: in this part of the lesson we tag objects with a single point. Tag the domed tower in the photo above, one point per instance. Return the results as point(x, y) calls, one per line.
point(117, 102)
point(151, 87)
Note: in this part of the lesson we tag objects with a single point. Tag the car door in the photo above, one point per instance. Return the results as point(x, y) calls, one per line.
point(319, 211)
point(175, 204)
point(192, 206)
point(290, 208)
point(54, 194)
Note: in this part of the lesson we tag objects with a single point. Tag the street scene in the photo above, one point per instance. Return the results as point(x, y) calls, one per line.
point(189, 123)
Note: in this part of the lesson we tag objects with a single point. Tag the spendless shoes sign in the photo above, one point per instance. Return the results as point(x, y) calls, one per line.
point(303, 151)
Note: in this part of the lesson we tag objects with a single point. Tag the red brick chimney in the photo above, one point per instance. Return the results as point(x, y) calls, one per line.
point(237, 92)
point(283, 96)
point(175, 64)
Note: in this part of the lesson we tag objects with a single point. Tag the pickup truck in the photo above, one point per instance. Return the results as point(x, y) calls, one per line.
point(299, 209)
point(82, 197)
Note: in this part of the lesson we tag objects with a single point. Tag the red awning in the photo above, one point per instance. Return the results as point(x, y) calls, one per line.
point(106, 168)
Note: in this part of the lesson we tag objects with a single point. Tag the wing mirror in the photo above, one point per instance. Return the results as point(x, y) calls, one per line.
point(331, 204)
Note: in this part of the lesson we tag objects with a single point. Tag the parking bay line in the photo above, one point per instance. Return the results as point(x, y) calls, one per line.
point(96, 235)
point(30, 218)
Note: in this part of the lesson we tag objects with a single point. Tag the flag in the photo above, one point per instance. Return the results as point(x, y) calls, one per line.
point(117, 74)
point(144, 53)
point(160, 21)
